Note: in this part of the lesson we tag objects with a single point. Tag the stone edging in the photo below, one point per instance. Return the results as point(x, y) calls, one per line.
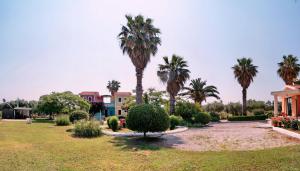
point(138, 134)
point(287, 132)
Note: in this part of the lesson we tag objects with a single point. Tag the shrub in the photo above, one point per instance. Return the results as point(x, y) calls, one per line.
point(202, 117)
point(114, 123)
point(174, 121)
point(62, 120)
point(0, 115)
point(147, 118)
point(247, 118)
point(186, 110)
point(215, 117)
point(84, 128)
point(107, 121)
point(269, 114)
point(295, 124)
point(78, 115)
point(286, 122)
point(275, 122)
point(258, 111)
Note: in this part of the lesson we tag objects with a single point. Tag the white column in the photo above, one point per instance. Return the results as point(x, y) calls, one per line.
point(275, 105)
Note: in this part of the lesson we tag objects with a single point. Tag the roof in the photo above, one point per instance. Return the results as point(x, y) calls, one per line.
point(89, 93)
point(122, 94)
point(289, 90)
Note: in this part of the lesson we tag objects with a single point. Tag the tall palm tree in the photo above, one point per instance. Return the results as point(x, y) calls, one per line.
point(139, 39)
point(113, 86)
point(198, 91)
point(244, 71)
point(288, 69)
point(175, 74)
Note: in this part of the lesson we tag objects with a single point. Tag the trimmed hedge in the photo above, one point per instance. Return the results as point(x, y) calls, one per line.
point(247, 118)
point(174, 121)
point(114, 123)
point(78, 115)
point(202, 117)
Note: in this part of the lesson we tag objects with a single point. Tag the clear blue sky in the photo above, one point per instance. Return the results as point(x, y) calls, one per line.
point(55, 45)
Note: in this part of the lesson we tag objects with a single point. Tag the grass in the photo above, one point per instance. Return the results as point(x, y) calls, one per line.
point(44, 146)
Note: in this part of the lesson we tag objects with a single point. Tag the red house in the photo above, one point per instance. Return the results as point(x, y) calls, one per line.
point(91, 96)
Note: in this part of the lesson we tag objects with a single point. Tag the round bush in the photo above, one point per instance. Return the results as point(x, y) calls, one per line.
point(174, 121)
point(84, 128)
point(62, 120)
point(215, 117)
point(147, 118)
point(109, 126)
point(78, 115)
point(202, 117)
point(114, 123)
point(186, 110)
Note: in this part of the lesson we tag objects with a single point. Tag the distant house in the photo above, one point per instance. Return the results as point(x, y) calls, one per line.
point(113, 104)
point(120, 98)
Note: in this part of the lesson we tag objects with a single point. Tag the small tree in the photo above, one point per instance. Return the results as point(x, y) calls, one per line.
point(147, 118)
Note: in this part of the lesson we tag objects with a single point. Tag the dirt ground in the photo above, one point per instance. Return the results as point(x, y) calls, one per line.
point(228, 136)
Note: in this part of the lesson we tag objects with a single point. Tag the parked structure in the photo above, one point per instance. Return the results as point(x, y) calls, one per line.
point(290, 100)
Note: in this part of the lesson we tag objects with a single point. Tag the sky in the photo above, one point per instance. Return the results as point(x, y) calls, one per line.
point(60, 45)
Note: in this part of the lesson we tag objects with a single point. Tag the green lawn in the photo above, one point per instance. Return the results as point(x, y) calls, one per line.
point(43, 146)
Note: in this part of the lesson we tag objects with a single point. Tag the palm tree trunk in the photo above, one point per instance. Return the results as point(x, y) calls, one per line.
point(172, 104)
point(139, 86)
point(244, 101)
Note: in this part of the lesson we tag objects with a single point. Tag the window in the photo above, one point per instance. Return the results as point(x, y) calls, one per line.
point(90, 98)
point(119, 112)
point(120, 100)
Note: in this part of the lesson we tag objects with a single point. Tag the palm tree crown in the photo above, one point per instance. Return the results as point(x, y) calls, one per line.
point(139, 39)
point(175, 74)
point(198, 91)
point(244, 72)
point(288, 69)
point(113, 86)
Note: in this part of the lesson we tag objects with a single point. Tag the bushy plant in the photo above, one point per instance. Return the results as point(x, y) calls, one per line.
point(78, 115)
point(147, 118)
point(295, 124)
point(269, 114)
point(214, 117)
point(258, 111)
point(247, 118)
point(114, 123)
point(107, 121)
point(0, 115)
point(202, 117)
point(84, 128)
point(174, 121)
point(186, 110)
point(62, 120)
point(286, 122)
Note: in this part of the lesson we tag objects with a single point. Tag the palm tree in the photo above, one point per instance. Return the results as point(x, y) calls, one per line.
point(139, 39)
point(288, 69)
point(198, 91)
point(113, 86)
point(244, 71)
point(175, 74)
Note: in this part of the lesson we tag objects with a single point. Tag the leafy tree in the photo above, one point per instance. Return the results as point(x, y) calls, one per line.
point(214, 107)
point(65, 102)
point(174, 72)
point(288, 69)
point(113, 86)
point(254, 104)
point(139, 39)
point(128, 103)
point(233, 108)
point(244, 71)
point(198, 91)
point(96, 107)
point(154, 97)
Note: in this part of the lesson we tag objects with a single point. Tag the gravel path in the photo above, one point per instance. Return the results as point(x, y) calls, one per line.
point(228, 136)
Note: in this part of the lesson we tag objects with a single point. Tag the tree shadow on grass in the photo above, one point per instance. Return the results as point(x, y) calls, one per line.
point(148, 143)
point(42, 120)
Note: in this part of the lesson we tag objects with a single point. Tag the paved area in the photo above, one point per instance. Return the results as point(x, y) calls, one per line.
point(228, 136)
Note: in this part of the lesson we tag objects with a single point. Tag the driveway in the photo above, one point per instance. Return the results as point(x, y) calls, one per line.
point(228, 136)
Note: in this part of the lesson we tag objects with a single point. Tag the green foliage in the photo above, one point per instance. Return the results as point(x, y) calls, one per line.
point(233, 108)
point(286, 122)
point(295, 124)
point(154, 97)
point(113, 86)
point(107, 121)
point(202, 117)
point(174, 121)
point(78, 115)
point(128, 103)
point(258, 111)
point(254, 104)
point(215, 117)
point(214, 107)
point(247, 118)
point(0, 115)
point(147, 118)
point(62, 120)
point(288, 69)
point(114, 123)
point(186, 110)
point(269, 114)
point(84, 128)
point(64, 102)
